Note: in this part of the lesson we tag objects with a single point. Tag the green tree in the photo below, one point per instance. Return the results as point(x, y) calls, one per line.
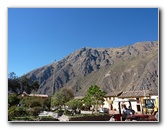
point(34, 111)
point(25, 102)
point(56, 99)
point(35, 102)
point(47, 103)
point(12, 75)
point(20, 111)
point(87, 101)
point(29, 102)
point(25, 82)
point(35, 86)
point(19, 85)
point(95, 96)
point(74, 104)
point(61, 97)
point(11, 112)
point(67, 94)
point(13, 83)
point(13, 99)
point(29, 85)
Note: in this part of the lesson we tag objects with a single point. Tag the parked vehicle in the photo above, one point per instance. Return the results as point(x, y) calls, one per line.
point(150, 106)
point(103, 110)
point(120, 116)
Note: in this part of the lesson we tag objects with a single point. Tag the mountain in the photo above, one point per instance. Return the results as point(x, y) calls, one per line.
point(115, 70)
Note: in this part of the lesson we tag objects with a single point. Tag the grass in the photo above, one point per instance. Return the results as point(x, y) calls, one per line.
point(85, 115)
point(26, 118)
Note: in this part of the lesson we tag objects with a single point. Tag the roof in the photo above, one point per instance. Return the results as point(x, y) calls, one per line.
point(137, 93)
point(113, 94)
point(126, 100)
point(133, 93)
point(37, 95)
point(78, 97)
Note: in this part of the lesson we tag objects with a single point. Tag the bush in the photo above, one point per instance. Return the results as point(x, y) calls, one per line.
point(67, 112)
point(60, 112)
point(48, 118)
point(13, 99)
point(26, 118)
point(20, 111)
point(11, 111)
point(34, 111)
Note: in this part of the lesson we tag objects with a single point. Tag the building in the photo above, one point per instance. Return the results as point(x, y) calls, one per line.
point(136, 98)
point(34, 95)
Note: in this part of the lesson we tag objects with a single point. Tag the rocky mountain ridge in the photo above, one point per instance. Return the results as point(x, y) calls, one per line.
point(114, 70)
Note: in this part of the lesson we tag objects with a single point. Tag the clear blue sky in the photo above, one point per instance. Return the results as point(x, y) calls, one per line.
point(36, 36)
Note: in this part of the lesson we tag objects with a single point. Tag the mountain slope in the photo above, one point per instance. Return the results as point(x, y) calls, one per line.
point(130, 68)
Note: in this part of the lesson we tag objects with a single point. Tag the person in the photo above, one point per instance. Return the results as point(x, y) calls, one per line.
point(131, 110)
point(157, 116)
point(126, 112)
point(112, 118)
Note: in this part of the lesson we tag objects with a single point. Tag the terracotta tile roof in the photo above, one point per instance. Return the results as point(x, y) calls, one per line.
point(37, 95)
point(133, 93)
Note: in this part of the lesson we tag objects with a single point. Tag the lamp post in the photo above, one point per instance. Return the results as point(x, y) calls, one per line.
point(53, 77)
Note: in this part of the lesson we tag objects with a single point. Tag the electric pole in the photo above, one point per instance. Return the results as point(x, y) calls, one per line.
point(53, 82)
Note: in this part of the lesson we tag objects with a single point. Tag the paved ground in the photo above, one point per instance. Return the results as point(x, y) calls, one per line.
point(66, 118)
point(86, 112)
point(113, 112)
point(63, 118)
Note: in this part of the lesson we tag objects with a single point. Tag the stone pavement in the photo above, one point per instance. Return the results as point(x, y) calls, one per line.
point(63, 118)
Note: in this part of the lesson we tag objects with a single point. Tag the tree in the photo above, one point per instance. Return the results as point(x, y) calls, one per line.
point(12, 75)
point(61, 97)
point(25, 102)
point(87, 102)
point(47, 103)
point(20, 111)
point(74, 104)
point(94, 96)
point(56, 99)
point(25, 82)
point(19, 85)
point(11, 112)
point(35, 111)
point(35, 85)
point(13, 83)
point(28, 85)
point(67, 94)
point(36, 102)
point(13, 100)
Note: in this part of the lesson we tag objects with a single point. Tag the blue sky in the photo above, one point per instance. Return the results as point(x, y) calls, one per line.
point(36, 36)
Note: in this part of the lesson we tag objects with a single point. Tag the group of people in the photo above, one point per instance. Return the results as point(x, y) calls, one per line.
point(126, 113)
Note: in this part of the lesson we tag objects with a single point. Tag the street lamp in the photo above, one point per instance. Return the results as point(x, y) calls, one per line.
point(53, 77)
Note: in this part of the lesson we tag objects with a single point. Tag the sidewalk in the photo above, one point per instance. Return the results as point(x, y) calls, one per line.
point(63, 118)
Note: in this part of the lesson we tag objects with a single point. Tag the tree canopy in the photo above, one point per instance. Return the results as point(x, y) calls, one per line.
point(62, 96)
point(21, 84)
point(94, 96)
point(74, 104)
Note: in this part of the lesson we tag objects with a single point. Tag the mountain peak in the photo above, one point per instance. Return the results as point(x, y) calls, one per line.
point(129, 68)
